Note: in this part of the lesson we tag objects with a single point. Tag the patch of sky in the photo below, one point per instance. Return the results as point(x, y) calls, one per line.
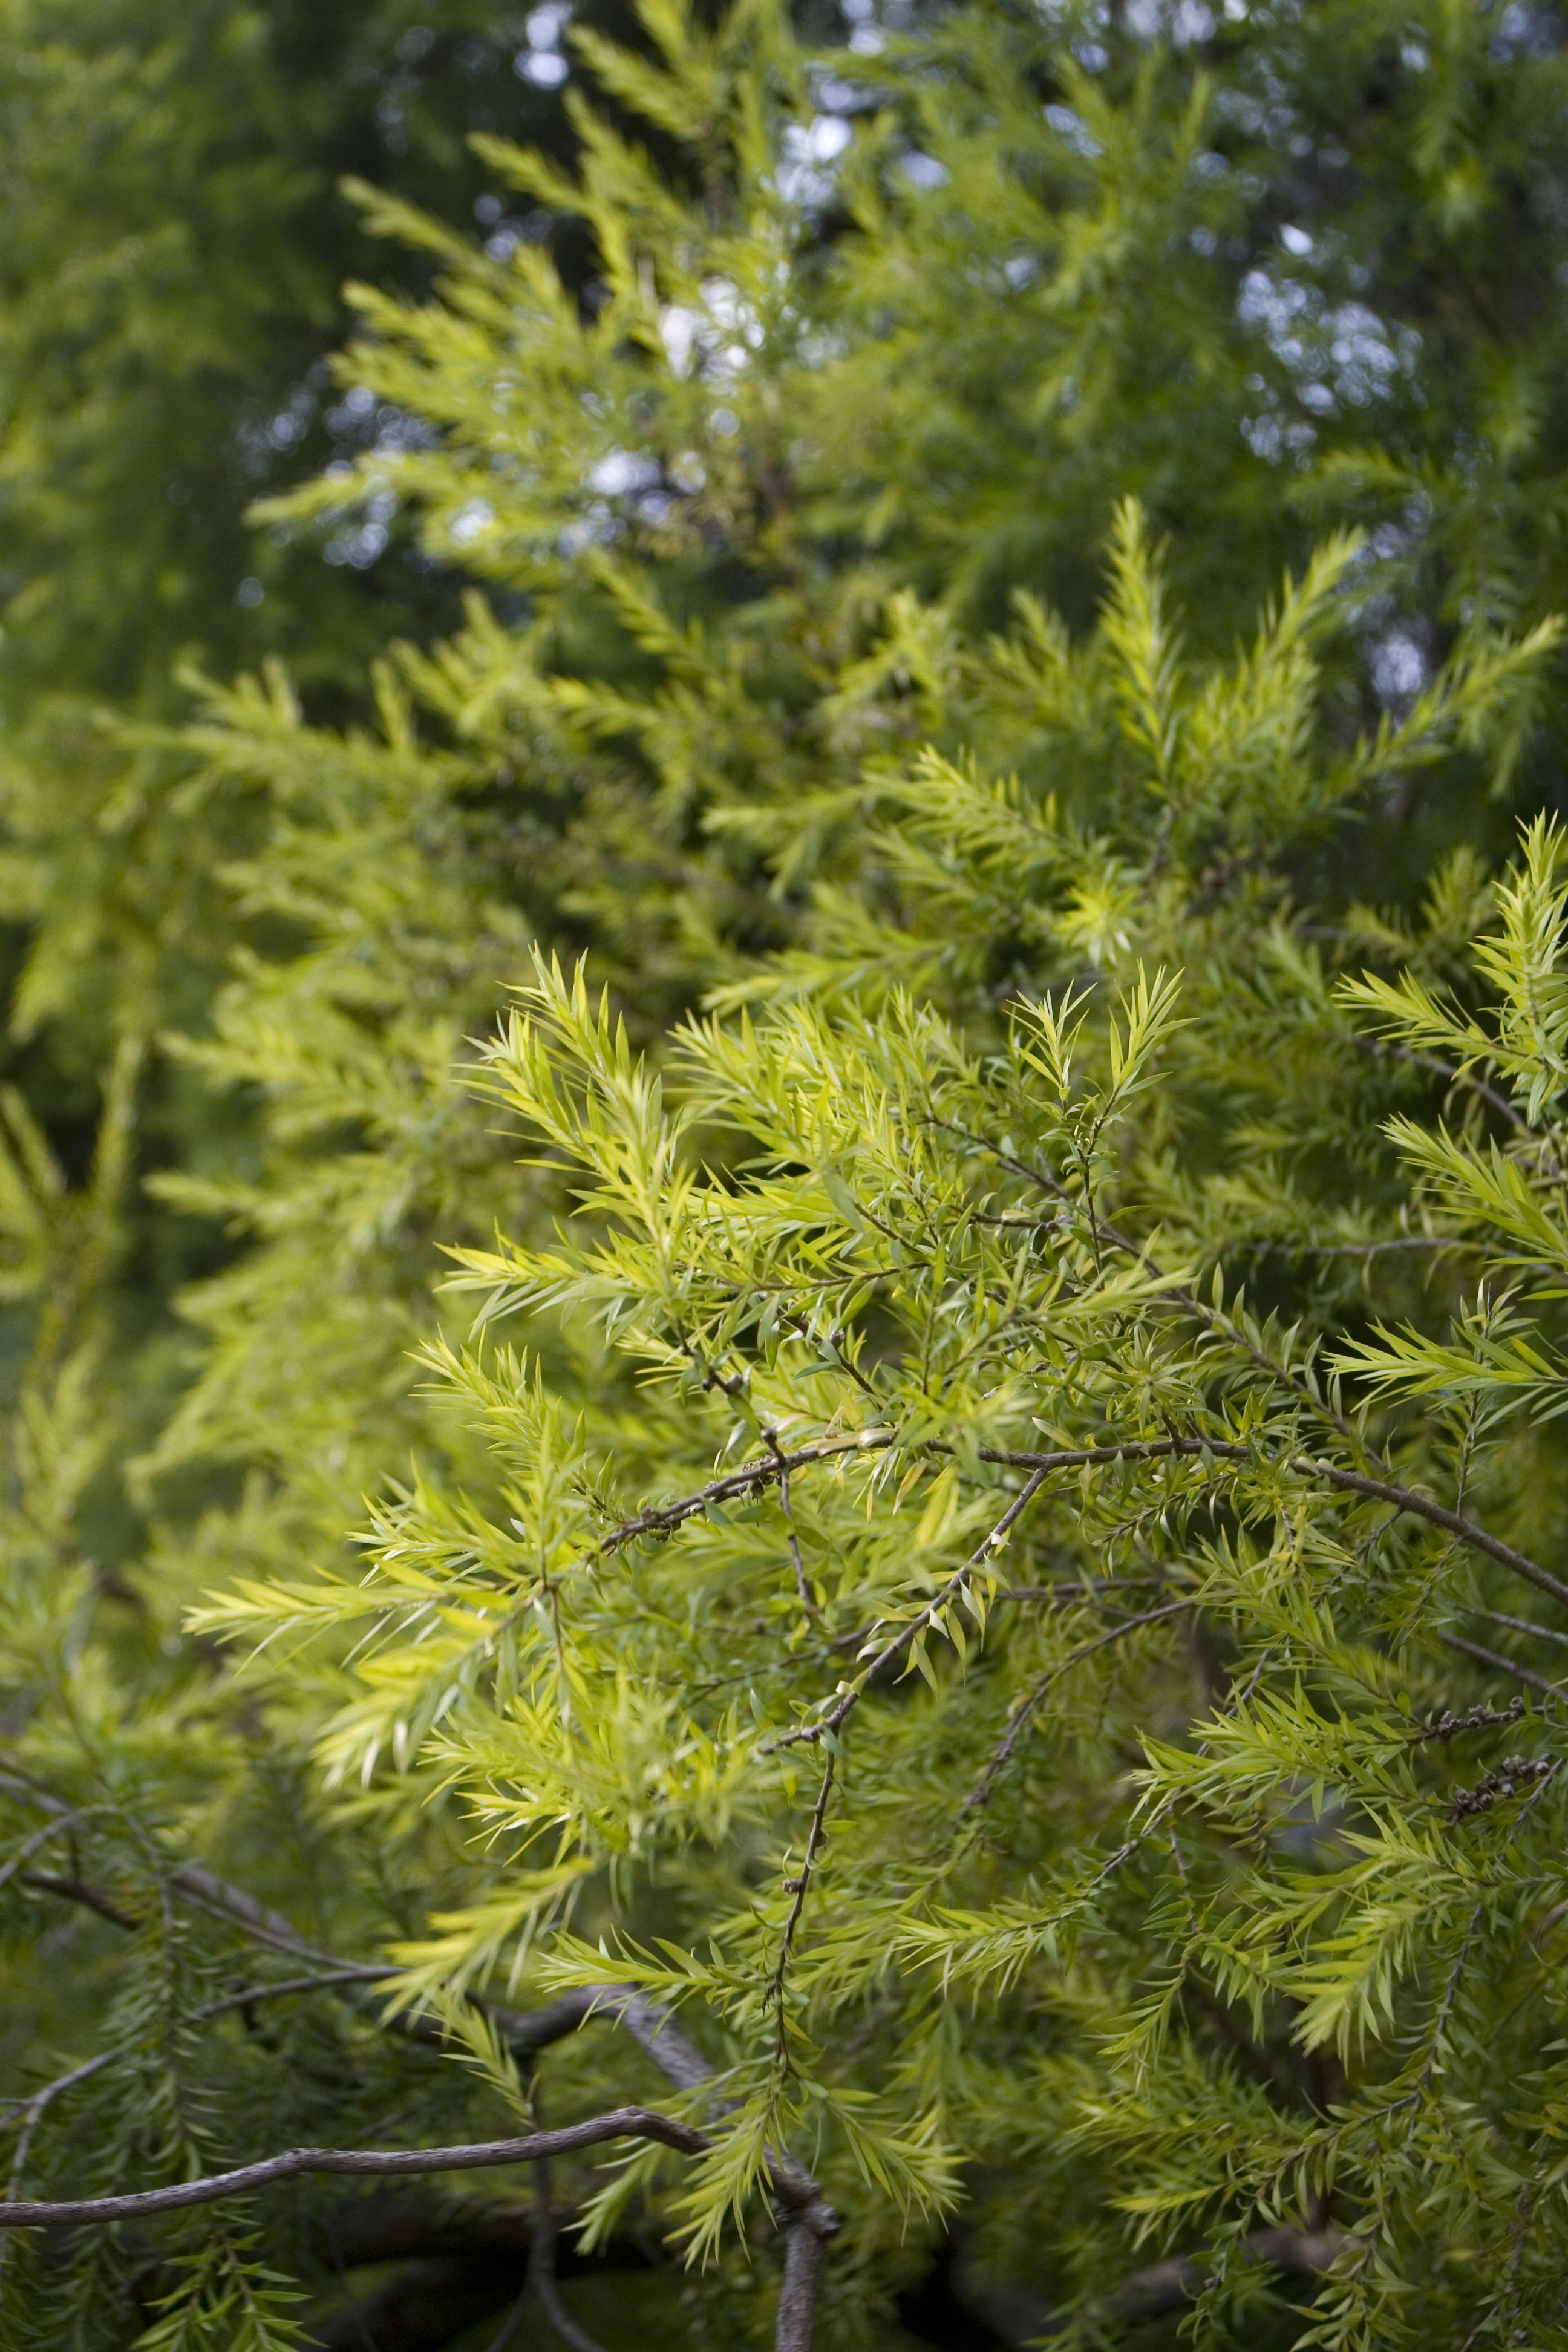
point(1180, 22)
point(1343, 348)
point(716, 341)
point(542, 62)
point(1526, 32)
point(470, 522)
point(1073, 131)
point(806, 176)
point(598, 527)
point(623, 471)
point(361, 541)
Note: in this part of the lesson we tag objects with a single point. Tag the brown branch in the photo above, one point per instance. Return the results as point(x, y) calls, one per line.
point(423, 2307)
point(524, 2032)
point(459, 2264)
point(1500, 1665)
point(76, 1890)
point(1524, 1625)
point(803, 1589)
point(663, 1519)
point(801, 2204)
point(1406, 1498)
point(650, 2025)
point(804, 2247)
point(1499, 1103)
point(798, 1887)
point(540, 2281)
point(59, 1825)
point(1359, 1249)
point(621, 2123)
point(1399, 1498)
point(656, 2031)
point(956, 1585)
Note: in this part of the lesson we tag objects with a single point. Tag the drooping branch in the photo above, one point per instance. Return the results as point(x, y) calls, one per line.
point(1406, 1498)
point(1500, 1665)
point(803, 2249)
point(423, 2307)
point(621, 2123)
point(1384, 1048)
point(463, 2261)
point(76, 1890)
point(540, 2282)
point(1399, 1498)
point(525, 2031)
point(263, 1925)
point(802, 2207)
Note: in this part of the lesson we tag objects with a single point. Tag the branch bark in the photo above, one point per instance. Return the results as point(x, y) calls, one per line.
point(621, 2123)
point(1379, 1490)
point(1500, 1665)
point(76, 1890)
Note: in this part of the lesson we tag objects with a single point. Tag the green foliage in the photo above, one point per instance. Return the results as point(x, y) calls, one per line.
point(890, 1137)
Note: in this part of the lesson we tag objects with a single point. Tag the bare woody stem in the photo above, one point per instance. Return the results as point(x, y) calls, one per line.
point(1043, 1465)
point(1379, 1490)
point(799, 1886)
point(1502, 1666)
point(621, 2123)
point(803, 2249)
point(662, 1518)
point(803, 1588)
point(776, 1467)
point(802, 2207)
point(542, 2283)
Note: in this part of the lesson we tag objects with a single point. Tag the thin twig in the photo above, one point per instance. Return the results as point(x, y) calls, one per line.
point(59, 1826)
point(508, 2326)
point(1401, 1499)
point(1359, 1249)
point(1499, 1103)
point(798, 1887)
point(956, 1585)
point(1501, 1664)
point(76, 1890)
point(981, 1792)
point(803, 1588)
point(1440, 2022)
point(804, 2248)
point(663, 1519)
point(1524, 1625)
